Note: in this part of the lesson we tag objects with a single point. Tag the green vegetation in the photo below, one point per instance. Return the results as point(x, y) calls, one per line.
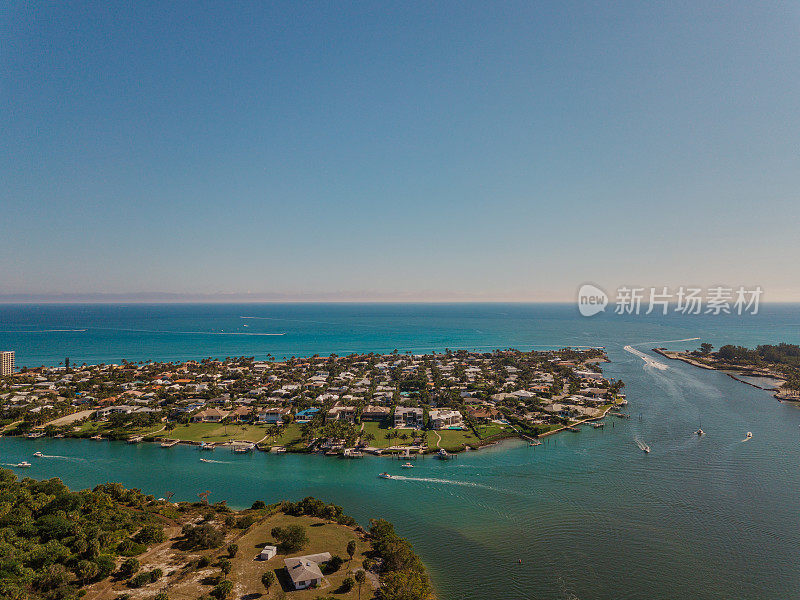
point(403, 575)
point(53, 540)
point(783, 359)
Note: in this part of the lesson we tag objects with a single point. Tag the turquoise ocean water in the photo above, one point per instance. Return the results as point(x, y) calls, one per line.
point(589, 514)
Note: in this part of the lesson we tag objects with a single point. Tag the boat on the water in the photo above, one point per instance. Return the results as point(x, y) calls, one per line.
point(205, 460)
point(385, 475)
point(442, 454)
point(749, 435)
point(535, 443)
point(38, 454)
point(407, 465)
point(642, 446)
point(700, 432)
point(24, 464)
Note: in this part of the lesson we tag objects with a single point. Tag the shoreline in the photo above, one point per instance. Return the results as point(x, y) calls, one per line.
point(777, 392)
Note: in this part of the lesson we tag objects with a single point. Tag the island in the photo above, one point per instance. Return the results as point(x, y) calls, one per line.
point(112, 543)
point(346, 406)
point(775, 368)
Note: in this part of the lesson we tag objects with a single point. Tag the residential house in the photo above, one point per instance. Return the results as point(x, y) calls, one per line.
point(305, 571)
point(446, 418)
point(407, 417)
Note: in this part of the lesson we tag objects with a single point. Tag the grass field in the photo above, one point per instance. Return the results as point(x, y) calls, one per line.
point(214, 432)
point(491, 429)
point(453, 440)
point(381, 441)
point(182, 583)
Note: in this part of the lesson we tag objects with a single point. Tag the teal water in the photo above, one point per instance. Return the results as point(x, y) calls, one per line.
point(589, 514)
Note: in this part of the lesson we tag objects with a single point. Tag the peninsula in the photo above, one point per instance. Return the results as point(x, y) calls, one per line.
point(339, 405)
point(111, 543)
point(775, 368)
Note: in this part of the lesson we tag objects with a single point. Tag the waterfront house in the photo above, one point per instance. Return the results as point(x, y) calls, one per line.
point(272, 414)
point(210, 415)
point(305, 571)
point(341, 413)
point(441, 419)
point(375, 413)
point(407, 417)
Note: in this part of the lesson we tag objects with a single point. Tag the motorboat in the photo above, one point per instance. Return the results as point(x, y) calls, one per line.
point(749, 435)
point(536, 443)
point(442, 454)
point(38, 454)
point(24, 464)
point(700, 432)
point(385, 475)
point(407, 465)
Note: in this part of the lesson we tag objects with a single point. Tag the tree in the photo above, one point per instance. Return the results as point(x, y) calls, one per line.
point(706, 348)
point(361, 577)
point(222, 590)
point(268, 579)
point(347, 584)
point(351, 548)
point(233, 549)
point(225, 566)
point(291, 538)
point(259, 505)
point(128, 568)
point(404, 585)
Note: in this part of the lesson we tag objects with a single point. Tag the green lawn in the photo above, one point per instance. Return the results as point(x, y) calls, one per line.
point(491, 429)
point(381, 441)
point(453, 440)
point(214, 432)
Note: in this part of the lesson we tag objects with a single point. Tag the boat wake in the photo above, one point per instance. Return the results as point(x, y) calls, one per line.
point(446, 482)
point(216, 462)
point(648, 360)
point(642, 446)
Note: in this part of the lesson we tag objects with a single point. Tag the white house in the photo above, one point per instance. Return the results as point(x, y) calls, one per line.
point(446, 418)
point(305, 571)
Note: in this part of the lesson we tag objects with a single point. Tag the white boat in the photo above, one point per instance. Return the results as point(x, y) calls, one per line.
point(642, 446)
point(205, 460)
point(38, 454)
point(700, 432)
point(407, 465)
point(749, 435)
point(24, 464)
point(536, 443)
point(385, 475)
point(442, 454)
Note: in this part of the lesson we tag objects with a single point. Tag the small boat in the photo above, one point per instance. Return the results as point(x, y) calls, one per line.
point(442, 454)
point(24, 464)
point(38, 454)
point(205, 460)
point(642, 446)
point(749, 435)
point(385, 475)
point(407, 465)
point(700, 432)
point(280, 450)
point(536, 443)
point(598, 425)
point(206, 446)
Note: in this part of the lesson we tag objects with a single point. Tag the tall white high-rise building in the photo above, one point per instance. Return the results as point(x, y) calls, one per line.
point(6, 362)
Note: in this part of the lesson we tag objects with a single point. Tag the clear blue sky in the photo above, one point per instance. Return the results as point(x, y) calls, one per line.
point(398, 150)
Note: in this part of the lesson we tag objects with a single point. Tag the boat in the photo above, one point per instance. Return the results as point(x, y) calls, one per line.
point(96, 437)
point(205, 460)
point(38, 454)
point(598, 425)
point(700, 432)
point(749, 435)
point(135, 440)
point(385, 475)
point(642, 446)
point(442, 454)
point(352, 453)
point(280, 450)
point(535, 443)
point(206, 446)
point(407, 465)
point(24, 464)
point(169, 443)
point(243, 448)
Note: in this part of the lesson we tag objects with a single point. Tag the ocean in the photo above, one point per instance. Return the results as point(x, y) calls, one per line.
point(588, 514)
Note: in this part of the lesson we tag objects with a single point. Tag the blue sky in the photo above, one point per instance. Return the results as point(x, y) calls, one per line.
point(426, 151)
